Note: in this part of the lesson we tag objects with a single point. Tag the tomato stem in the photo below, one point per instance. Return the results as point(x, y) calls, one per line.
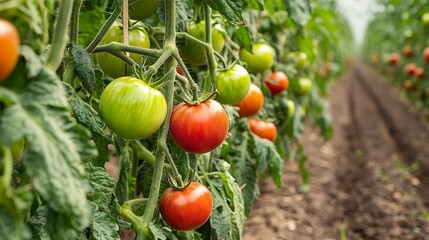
point(119, 47)
point(106, 26)
point(211, 62)
point(174, 170)
point(60, 37)
point(6, 177)
point(74, 25)
point(169, 39)
point(169, 50)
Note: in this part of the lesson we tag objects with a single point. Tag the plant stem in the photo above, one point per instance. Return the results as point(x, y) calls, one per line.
point(106, 26)
point(119, 47)
point(211, 62)
point(60, 37)
point(74, 25)
point(169, 42)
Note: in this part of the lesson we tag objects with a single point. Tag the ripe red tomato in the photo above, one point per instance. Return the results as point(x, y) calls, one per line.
point(195, 54)
point(426, 55)
point(252, 102)
point(141, 9)
point(261, 59)
point(420, 73)
point(9, 48)
point(186, 209)
point(113, 66)
point(263, 129)
point(232, 84)
point(407, 51)
point(131, 108)
point(199, 128)
point(394, 59)
point(410, 69)
point(277, 82)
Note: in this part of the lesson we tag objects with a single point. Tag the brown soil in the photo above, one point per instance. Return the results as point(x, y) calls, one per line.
point(371, 181)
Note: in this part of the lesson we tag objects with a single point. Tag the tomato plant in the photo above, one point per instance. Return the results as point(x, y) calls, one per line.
point(192, 52)
point(263, 129)
point(277, 82)
point(190, 126)
point(131, 108)
point(260, 60)
point(9, 48)
point(186, 209)
point(78, 148)
point(394, 59)
point(112, 65)
point(141, 9)
point(252, 102)
point(232, 84)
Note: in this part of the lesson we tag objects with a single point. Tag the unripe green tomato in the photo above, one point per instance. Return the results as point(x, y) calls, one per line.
point(301, 60)
point(142, 9)
point(131, 108)
point(425, 19)
point(195, 54)
point(113, 66)
point(290, 108)
point(261, 60)
point(304, 86)
point(232, 84)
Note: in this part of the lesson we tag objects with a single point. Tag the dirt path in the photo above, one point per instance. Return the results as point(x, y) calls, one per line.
point(371, 181)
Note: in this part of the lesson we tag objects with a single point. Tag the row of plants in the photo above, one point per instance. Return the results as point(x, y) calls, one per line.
point(397, 44)
point(196, 100)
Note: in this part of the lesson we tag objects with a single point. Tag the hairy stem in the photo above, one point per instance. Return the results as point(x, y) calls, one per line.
point(106, 26)
point(60, 37)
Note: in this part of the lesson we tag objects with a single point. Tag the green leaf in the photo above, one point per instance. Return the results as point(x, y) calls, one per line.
point(122, 188)
point(37, 223)
point(55, 146)
point(84, 67)
point(230, 9)
point(244, 37)
point(299, 11)
point(88, 117)
point(228, 215)
point(266, 152)
point(105, 227)
point(156, 232)
point(102, 186)
point(10, 227)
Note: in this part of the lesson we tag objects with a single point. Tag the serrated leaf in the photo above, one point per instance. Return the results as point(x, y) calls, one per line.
point(230, 9)
point(88, 117)
point(267, 153)
point(55, 145)
point(156, 232)
point(302, 159)
point(102, 186)
point(104, 227)
point(84, 67)
point(299, 11)
point(37, 224)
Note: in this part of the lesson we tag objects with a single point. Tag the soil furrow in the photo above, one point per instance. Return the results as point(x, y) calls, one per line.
point(369, 182)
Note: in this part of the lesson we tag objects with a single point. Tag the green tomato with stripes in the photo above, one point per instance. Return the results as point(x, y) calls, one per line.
point(232, 84)
point(131, 108)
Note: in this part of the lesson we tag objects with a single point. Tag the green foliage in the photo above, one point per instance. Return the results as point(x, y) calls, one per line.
point(60, 188)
